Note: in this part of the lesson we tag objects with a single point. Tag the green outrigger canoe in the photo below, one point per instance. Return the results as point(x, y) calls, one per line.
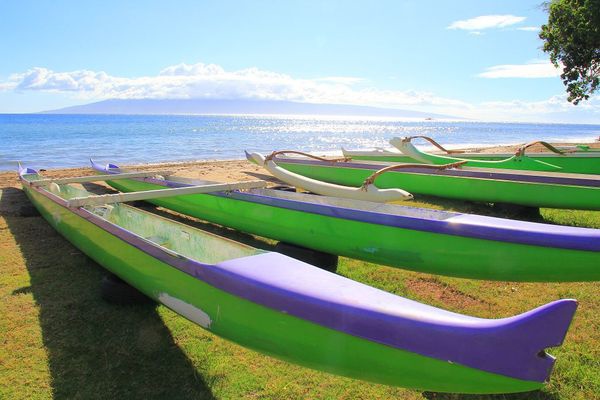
point(425, 240)
point(578, 159)
point(490, 185)
point(518, 161)
point(288, 309)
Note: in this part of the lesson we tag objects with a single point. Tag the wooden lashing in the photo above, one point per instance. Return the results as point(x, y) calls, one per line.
point(98, 178)
point(371, 179)
point(433, 142)
point(275, 153)
point(521, 151)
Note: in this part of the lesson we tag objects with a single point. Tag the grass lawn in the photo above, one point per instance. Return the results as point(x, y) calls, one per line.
point(60, 340)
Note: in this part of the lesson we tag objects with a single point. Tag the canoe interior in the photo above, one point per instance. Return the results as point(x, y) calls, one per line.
point(175, 237)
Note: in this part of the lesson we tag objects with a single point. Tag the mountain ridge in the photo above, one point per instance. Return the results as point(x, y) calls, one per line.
point(244, 107)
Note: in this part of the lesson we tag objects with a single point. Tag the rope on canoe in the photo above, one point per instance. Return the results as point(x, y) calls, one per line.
point(433, 142)
point(521, 151)
point(273, 154)
point(371, 179)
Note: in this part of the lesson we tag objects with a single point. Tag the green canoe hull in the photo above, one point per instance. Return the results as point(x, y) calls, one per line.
point(576, 164)
point(423, 251)
point(250, 324)
point(530, 194)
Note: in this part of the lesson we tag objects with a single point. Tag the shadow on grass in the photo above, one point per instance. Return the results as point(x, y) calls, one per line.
point(95, 350)
point(499, 210)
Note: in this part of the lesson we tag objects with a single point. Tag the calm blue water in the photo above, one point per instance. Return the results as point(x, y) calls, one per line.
point(50, 141)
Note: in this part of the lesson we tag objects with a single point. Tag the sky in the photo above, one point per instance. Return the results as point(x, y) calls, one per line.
point(473, 59)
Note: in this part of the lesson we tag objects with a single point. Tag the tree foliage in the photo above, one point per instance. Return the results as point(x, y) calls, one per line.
point(572, 38)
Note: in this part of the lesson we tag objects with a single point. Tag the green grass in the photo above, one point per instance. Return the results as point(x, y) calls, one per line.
point(60, 340)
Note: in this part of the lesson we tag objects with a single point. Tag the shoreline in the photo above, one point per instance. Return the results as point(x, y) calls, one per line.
point(492, 149)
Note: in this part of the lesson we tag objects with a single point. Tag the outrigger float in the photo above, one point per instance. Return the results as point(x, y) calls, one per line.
point(580, 159)
point(425, 240)
point(288, 309)
point(455, 181)
point(367, 192)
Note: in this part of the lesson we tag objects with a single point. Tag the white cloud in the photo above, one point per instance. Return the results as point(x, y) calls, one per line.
point(486, 22)
point(554, 109)
point(199, 69)
point(534, 69)
point(44, 79)
point(212, 81)
point(529, 28)
point(554, 104)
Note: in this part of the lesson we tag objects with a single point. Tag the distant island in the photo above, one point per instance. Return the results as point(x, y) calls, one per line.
point(244, 107)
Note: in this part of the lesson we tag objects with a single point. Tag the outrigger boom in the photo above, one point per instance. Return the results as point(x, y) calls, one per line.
point(159, 193)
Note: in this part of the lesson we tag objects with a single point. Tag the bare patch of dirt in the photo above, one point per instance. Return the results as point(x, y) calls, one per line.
point(440, 293)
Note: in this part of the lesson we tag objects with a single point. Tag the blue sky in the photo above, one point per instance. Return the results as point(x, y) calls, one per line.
point(477, 59)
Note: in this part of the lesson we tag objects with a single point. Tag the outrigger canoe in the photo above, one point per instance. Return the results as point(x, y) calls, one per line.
point(490, 185)
point(579, 159)
point(299, 313)
point(425, 240)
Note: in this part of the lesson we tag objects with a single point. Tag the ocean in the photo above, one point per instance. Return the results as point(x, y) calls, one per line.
point(54, 141)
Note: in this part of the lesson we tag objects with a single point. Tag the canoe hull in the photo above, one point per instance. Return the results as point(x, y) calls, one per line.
point(529, 194)
point(252, 325)
point(422, 251)
point(576, 164)
point(570, 163)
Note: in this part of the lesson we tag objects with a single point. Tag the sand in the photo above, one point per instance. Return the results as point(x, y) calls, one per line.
point(220, 171)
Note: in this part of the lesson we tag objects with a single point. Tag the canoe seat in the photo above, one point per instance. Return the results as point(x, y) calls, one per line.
point(103, 211)
point(54, 188)
point(159, 240)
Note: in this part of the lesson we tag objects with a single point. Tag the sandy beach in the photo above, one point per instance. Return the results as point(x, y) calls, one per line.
point(228, 171)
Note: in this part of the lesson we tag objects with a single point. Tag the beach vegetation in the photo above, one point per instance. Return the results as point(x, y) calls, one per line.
point(572, 38)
